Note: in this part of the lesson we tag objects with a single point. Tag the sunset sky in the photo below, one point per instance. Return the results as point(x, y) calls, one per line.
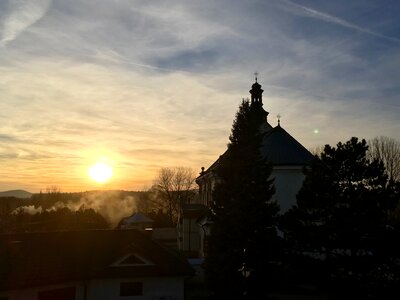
point(141, 85)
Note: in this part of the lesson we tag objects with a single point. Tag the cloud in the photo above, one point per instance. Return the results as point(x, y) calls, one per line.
point(61, 124)
point(7, 138)
point(21, 15)
point(151, 84)
point(306, 11)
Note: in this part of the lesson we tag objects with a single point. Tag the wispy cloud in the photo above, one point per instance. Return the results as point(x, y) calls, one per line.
point(21, 15)
point(151, 84)
point(304, 10)
point(73, 116)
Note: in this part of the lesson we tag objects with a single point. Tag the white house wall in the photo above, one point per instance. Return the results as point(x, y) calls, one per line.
point(153, 288)
point(109, 289)
point(32, 293)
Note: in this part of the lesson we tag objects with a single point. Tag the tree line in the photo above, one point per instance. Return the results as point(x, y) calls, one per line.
point(56, 210)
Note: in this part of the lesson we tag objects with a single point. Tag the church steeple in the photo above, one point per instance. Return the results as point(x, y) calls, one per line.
point(256, 95)
point(256, 92)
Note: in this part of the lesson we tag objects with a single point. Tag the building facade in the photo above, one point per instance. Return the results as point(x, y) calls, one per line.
point(90, 265)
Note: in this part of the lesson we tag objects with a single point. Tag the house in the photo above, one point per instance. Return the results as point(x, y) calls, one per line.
point(287, 157)
point(86, 265)
point(136, 220)
point(166, 236)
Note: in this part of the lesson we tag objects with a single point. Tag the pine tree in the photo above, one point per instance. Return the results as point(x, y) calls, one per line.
point(243, 215)
point(341, 215)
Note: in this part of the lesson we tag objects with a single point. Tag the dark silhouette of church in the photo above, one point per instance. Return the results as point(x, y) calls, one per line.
point(287, 157)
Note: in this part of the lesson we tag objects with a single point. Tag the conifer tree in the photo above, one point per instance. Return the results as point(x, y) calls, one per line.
point(341, 217)
point(243, 214)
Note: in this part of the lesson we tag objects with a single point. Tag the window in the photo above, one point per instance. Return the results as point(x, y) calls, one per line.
point(131, 289)
point(67, 293)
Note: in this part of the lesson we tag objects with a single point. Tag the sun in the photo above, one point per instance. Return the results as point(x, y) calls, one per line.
point(100, 172)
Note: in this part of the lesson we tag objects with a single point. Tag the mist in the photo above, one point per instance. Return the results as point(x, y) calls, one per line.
point(112, 205)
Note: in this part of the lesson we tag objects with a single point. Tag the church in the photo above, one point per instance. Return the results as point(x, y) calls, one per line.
point(287, 157)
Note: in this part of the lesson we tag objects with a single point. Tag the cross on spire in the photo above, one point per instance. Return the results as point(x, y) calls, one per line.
point(279, 119)
point(256, 74)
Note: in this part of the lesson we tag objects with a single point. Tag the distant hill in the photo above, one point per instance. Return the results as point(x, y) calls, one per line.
point(16, 194)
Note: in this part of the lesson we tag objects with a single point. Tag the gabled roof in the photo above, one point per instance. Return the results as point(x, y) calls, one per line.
point(137, 218)
point(34, 259)
point(280, 148)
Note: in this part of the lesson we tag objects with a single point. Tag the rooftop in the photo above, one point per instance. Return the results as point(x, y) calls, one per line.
point(35, 259)
point(280, 148)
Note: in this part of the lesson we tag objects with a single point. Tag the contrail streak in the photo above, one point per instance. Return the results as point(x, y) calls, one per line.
point(335, 20)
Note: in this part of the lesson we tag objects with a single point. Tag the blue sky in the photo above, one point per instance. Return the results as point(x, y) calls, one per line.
point(148, 84)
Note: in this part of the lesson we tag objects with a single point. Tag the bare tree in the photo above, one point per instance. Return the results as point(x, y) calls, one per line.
point(174, 187)
point(317, 150)
point(53, 195)
point(53, 189)
point(388, 151)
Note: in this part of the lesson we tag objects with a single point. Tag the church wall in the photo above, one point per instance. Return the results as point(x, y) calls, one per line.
point(288, 181)
point(206, 187)
point(191, 238)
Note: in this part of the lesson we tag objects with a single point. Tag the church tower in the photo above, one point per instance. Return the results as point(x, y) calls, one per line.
point(256, 93)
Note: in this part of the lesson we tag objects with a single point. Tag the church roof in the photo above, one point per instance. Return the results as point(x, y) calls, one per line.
point(280, 148)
